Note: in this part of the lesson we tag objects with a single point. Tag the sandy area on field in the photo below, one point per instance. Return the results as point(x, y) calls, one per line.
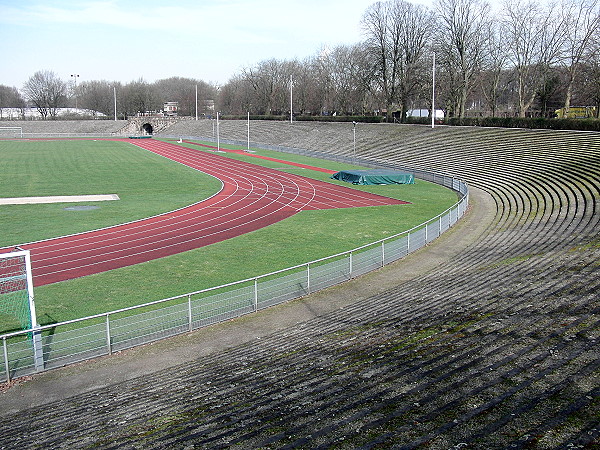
point(58, 199)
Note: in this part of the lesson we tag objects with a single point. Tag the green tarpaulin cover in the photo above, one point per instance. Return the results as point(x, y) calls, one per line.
point(374, 176)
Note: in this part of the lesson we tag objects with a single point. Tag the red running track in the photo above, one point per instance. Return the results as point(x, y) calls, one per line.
point(251, 198)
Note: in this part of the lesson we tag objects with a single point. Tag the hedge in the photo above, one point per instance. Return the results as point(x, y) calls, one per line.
point(527, 122)
point(502, 122)
point(363, 119)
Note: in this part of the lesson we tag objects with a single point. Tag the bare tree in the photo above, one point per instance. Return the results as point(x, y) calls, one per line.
point(535, 36)
point(269, 83)
point(311, 81)
point(235, 96)
point(582, 25)
point(463, 31)
point(339, 73)
point(346, 87)
point(495, 60)
point(97, 96)
point(139, 97)
point(46, 91)
point(593, 86)
point(397, 34)
point(381, 44)
point(10, 98)
point(183, 91)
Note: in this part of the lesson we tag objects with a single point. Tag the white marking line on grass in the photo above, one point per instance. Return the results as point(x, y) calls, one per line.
point(58, 199)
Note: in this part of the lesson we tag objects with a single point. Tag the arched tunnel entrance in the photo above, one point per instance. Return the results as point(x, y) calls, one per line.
point(147, 128)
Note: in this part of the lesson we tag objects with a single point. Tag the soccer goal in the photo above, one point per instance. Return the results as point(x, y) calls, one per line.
point(11, 132)
point(16, 296)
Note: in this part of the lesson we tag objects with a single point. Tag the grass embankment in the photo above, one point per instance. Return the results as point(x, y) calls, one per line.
point(304, 237)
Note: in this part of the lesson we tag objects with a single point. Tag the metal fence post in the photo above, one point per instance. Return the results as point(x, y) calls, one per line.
point(407, 243)
point(255, 294)
point(189, 312)
point(38, 353)
point(382, 253)
point(108, 345)
point(350, 261)
point(6, 365)
point(308, 278)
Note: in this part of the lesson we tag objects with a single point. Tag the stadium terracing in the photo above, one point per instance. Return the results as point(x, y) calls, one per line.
point(488, 338)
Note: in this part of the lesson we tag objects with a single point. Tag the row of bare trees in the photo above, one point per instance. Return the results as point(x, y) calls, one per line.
point(527, 58)
point(47, 92)
point(507, 61)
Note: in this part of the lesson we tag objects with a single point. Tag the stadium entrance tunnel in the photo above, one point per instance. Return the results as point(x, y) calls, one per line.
point(148, 128)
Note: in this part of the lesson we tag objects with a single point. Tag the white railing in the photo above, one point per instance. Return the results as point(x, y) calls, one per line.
point(102, 334)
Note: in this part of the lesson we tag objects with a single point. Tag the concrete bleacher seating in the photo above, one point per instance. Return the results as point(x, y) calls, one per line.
point(494, 346)
point(35, 128)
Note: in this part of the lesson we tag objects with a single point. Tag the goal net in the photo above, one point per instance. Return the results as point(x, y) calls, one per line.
point(11, 132)
point(16, 288)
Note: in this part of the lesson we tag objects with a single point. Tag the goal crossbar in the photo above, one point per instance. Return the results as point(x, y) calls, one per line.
point(17, 130)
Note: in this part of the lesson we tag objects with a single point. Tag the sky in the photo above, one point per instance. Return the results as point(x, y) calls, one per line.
point(125, 40)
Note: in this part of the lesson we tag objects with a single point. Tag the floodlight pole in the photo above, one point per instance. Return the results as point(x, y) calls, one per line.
point(196, 102)
point(218, 142)
point(115, 97)
point(433, 94)
point(354, 138)
point(248, 130)
point(291, 100)
point(75, 76)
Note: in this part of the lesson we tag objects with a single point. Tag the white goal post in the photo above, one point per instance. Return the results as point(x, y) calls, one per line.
point(16, 296)
point(11, 132)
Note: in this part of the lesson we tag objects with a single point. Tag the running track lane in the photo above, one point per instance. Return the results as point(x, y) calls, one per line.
point(242, 152)
point(251, 198)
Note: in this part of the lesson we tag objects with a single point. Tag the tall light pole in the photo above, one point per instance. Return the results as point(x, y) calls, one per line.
point(354, 138)
point(248, 130)
point(218, 142)
point(115, 98)
point(196, 102)
point(75, 76)
point(433, 94)
point(291, 97)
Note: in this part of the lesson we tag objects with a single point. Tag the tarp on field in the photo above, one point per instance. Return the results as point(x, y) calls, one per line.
point(374, 176)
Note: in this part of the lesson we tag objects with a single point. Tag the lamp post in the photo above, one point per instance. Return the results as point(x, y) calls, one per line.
point(354, 138)
point(291, 97)
point(115, 99)
point(433, 94)
point(75, 76)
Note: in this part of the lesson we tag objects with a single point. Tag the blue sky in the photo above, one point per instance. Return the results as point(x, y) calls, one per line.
point(124, 40)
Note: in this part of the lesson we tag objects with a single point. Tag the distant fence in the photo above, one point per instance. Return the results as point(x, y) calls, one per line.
point(103, 334)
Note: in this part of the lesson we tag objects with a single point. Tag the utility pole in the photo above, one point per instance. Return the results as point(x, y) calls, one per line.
point(433, 94)
point(291, 97)
point(75, 76)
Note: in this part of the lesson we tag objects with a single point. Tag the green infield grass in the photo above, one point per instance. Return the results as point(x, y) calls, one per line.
point(138, 177)
point(146, 183)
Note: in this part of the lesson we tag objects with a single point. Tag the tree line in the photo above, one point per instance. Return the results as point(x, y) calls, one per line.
point(527, 59)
